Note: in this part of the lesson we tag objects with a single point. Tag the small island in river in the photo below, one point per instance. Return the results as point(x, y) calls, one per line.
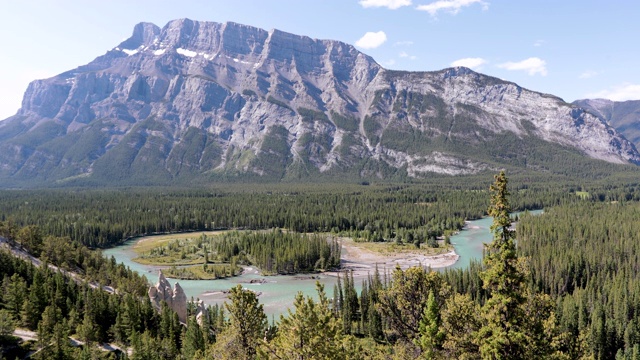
point(220, 254)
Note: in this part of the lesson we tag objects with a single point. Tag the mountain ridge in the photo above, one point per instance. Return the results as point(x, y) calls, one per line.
point(215, 100)
point(624, 116)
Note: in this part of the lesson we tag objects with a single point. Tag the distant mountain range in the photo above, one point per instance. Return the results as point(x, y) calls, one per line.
point(624, 116)
point(217, 102)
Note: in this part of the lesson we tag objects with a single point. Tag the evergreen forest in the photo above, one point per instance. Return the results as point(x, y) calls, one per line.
point(560, 285)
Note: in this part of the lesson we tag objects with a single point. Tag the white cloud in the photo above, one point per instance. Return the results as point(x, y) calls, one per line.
point(531, 65)
point(391, 4)
point(404, 55)
point(538, 43)
point(622, 92)
point(452, 6)
point(471, 63)
point(403, 43)
point(372, 40)
point(588, 74)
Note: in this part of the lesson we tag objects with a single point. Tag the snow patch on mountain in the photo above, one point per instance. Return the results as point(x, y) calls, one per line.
point(186, 52)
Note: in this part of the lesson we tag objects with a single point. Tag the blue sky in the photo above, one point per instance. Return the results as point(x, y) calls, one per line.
point(572, 49)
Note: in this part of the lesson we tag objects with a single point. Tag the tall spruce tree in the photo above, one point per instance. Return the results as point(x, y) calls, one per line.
point(503, 334)
point(193, 339)
point(431, 332)
point(7, 323)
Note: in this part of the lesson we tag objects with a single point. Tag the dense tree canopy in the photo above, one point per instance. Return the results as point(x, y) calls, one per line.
point(564, 285)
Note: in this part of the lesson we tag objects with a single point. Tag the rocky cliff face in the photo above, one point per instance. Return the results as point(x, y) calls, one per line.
point(175, 299)
point(624, 116)
point(201, 99)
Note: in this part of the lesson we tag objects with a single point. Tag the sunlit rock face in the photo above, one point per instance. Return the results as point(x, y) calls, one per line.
point(202, 99)
point(175, 299)
point(624, 116)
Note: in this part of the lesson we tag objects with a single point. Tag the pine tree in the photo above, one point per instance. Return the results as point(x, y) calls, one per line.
point(503, 335)
point(119, 330)
point(37, 295)
point(135, 339)
point(310, 332)
point(7, 323)
point(193, 339)
point(247, 325)
point(170, 327)
point(431, 333)
point(402, 303)
point(14, 293)
point(349, 304)
point(373, 327)
point(50, 317)
point(30, 237)
point(460, 322)
point(87, 329)
point(60, 348)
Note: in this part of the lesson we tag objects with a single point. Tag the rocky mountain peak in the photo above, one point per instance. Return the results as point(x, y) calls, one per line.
point(622, 115)
point(205, 99)
point(144, 34)
point(457, 71)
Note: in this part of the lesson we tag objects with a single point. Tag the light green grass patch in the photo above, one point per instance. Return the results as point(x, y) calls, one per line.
point(198, 272)
point(390, 248)
point(148, 243)
point(583, 194)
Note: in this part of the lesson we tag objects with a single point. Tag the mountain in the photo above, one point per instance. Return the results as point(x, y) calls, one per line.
point(208, 101)
point(624, 116)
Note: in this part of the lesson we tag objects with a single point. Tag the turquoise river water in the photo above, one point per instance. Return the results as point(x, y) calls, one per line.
point(277, 292)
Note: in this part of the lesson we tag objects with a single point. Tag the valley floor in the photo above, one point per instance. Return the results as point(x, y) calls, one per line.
point(359, 257)
point(362, 259)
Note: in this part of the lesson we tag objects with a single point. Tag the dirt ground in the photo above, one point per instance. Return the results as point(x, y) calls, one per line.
point(363, 261)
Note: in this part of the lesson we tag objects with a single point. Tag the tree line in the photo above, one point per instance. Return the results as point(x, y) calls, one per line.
point(279, 252)
point(104, 218)
point(567, 291)
point(273, 251)
point(586, 257)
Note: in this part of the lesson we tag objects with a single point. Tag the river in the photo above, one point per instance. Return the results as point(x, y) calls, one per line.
point(469, 242)
point(278, 292)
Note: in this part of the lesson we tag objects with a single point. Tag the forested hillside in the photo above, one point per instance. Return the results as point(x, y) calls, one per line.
point(586, 256)
point(103, 218)
point(569, 290)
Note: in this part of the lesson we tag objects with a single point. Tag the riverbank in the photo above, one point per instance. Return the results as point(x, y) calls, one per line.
point(278, 292)
point(362, 259)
